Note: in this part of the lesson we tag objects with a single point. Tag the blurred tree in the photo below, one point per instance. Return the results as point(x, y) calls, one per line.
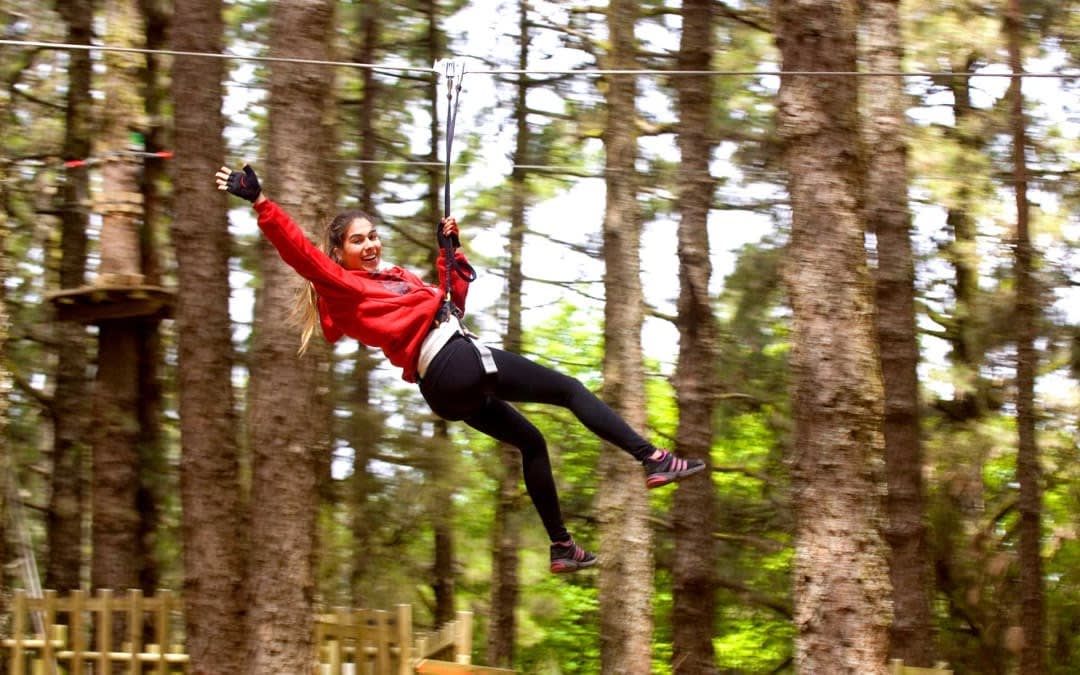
point(506, 540)
point(71, 396)
point(443, 567)
point(120, 556)
point(213, 517)
point(6, 456)
point(842, 610)
point(1027, 309)
point(696, 386)
point(360, 110)
point(289, 425)
point(622, 508)
point(889, 219)
point(157, 481)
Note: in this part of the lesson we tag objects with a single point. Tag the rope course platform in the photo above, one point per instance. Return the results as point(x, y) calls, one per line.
point(112, 300)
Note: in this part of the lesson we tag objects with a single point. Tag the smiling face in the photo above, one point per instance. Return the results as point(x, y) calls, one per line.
point(360, 247)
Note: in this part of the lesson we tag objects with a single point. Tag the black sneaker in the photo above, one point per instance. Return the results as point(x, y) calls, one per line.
point(669, 469)
point(570, 558)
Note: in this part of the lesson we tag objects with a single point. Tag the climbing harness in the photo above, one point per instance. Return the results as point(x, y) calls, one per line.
point(454, 73)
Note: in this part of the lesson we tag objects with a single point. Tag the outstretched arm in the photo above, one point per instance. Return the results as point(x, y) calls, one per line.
point(287, 237)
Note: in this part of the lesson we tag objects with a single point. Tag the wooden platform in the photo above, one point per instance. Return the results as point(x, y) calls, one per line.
point(429, 667)
point(109, 302)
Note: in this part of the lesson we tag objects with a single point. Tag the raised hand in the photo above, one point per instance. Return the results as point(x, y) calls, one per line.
point(243, 184)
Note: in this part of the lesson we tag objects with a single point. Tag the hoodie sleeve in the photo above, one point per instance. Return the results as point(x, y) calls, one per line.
point(330, 278)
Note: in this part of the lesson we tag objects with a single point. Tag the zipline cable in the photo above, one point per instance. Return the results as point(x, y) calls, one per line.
point(588, 72)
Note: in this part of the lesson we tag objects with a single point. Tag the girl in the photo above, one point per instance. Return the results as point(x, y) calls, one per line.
point(355, 293)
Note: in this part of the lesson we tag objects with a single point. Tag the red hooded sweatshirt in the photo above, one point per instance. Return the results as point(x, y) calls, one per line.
point(391, 309)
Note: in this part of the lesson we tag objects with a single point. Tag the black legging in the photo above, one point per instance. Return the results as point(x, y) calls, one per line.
point(454, 387)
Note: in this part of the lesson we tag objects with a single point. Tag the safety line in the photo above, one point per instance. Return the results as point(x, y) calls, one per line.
point(208, 55)
point(539, 71)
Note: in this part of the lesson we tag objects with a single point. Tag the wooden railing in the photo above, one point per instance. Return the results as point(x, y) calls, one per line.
point(897, 667)
point(79, 633)
point(104, 634)
point(378, 642)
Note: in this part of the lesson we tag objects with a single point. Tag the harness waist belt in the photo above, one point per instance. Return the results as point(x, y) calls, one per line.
point(437, 338)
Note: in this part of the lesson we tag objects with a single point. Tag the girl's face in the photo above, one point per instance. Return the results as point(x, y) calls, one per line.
point(360, 249)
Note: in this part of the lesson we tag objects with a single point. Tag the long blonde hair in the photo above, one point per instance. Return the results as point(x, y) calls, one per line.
point(306, 311)
point(306, 314)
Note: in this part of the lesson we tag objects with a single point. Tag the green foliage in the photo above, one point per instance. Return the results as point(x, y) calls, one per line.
point(958, 164)
point(566, 611)
point(749, 642)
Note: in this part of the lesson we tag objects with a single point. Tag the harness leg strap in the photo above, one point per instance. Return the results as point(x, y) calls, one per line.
point(486, 357)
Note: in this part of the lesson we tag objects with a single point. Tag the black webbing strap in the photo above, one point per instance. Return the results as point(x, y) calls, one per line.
point(455, 71)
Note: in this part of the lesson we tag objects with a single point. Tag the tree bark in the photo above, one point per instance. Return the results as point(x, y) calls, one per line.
point(694, 512)
point(888, 217)
point(118, 555)
point(506, 543)
point(154, 473)
point(370, 26)
point(626, 616)
point(210, 492)
point(842, 585)
point(363, 433)
point(443, 569)
point(286, 433)
point(365, 424)
point(6, 461)
point(1028, 472)
point(71, 407)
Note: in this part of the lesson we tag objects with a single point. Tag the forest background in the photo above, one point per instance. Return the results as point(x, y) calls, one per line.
point(705, 250)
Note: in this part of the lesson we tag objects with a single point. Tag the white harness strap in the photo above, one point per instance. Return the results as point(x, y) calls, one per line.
point(441, 334)
point(486, 358)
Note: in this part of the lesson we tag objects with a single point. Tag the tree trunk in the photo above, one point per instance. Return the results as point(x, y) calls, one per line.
point(887, 215)
point(626, 617)
point(506, 543)
point(694, 512)
point(71, 398)
point(967, 322)
point(210, 493)
point(1028, 472)
point(286, 433)
point(841, 571)
point(443, 572)
point(154, 473)
point(6, 461)
point(368, 52)
point(118, 558)
point(364, 430)
point(363, 434)
point(959, 572)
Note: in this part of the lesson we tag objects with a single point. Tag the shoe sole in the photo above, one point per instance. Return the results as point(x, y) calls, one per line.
point(656, 480)
point(566, 566)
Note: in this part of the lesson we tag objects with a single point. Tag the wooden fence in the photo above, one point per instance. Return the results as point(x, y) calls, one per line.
point(378, 642)
point(897, 667)
point(79, 633)
point(105, 634)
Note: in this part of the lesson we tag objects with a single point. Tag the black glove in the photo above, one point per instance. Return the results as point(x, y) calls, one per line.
point(443, 240)
point(244, 185)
